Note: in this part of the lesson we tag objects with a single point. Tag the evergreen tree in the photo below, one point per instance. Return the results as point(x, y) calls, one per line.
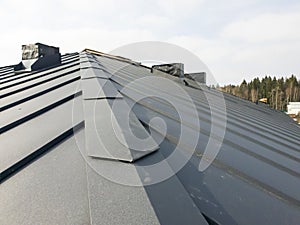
point(279, 92)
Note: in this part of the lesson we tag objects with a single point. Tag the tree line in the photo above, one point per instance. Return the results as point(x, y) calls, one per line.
point(277, 92)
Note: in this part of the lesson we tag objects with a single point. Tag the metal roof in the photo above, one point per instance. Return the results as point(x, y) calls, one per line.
point(50, 156)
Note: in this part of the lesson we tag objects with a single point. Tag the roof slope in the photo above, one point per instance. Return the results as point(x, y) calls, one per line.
point(50, 175)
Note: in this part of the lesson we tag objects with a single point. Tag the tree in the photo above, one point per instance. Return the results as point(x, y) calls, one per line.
point(279, 92)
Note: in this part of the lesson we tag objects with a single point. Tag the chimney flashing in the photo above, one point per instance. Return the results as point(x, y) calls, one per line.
point(38, 56)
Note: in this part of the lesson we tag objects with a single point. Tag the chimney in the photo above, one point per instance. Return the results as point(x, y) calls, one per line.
point(175, 69)
point(38, 56)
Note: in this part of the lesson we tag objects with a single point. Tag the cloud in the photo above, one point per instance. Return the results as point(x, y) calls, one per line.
point(236, 40)
point(207, 49)
point(69, 40)
point(151, 21)
point(179, 8)
point(266, 27)
point(266, 44)
point(215, 53)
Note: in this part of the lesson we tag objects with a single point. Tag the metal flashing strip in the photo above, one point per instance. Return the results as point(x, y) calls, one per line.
point(90, 64)
point(97, 88)
point(109, 134)
point(87, 58)
point(119, 58)
point(88, 73)
point(87, 64)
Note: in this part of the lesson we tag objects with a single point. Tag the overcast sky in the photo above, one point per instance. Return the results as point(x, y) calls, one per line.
point(236, 39)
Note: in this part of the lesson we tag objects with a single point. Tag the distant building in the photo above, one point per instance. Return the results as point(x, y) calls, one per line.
point(263, 100)
point(293, 108)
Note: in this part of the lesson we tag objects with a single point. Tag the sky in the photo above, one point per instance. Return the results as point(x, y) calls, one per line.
point(236, 39)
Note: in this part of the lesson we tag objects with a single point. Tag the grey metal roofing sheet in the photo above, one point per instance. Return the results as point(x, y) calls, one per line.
point(108, 132)
point(33, 80)
point(52, 190)
point(105, 140)
point(252, 137)
point(13, 151)
point(48, 177)
point(97, 88)
point(94, 73)
point(133, 205)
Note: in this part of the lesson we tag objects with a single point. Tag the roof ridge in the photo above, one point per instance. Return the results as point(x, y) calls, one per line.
point(115, 57)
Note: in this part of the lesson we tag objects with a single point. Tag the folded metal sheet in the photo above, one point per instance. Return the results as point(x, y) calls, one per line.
point(112, 134)
point(92, 73)
point(97, 88)
point(89, 62)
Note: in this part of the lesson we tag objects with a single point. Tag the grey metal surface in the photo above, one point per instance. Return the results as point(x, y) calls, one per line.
point(112, 203)
point(23, 78)
point(33, 134)
point(260, 151)
point(255, 178)
point(97, 88)
point(46, 180)
point(52, 190)
point(108, 131)
point(164, 203)
point(88, 64)
point(22, 110)
point(28, 82)
point(116, 142)
point(198, 77)
point(38, 90)
point(94, 73)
